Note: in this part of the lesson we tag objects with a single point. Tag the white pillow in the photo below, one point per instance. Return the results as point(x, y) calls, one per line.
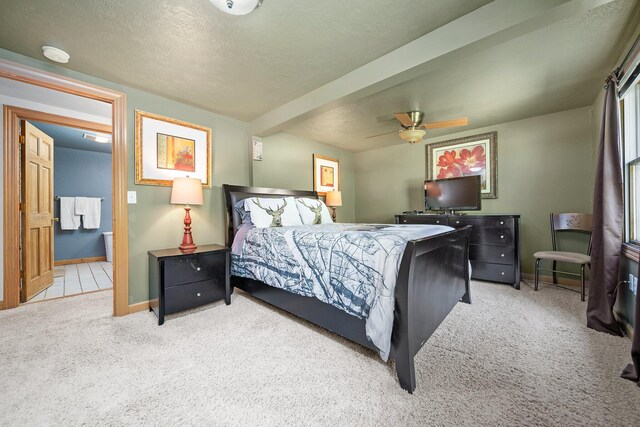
point(313, 211)
point(267, 212)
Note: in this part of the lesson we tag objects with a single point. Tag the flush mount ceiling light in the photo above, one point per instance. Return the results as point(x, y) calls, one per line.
point(55, 54)
point(236, 7)
point(99, 137)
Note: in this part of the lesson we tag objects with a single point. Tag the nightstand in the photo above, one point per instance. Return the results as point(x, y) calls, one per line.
point(179, 281)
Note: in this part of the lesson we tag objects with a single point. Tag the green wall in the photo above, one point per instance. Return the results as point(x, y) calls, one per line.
point(288, 163)
point(545, 164)
point(153, 222)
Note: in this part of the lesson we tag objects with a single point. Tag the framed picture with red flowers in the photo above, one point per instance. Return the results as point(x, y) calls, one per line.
point(473, 155)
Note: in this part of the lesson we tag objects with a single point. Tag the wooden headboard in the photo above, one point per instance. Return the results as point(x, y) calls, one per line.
point(235, 193)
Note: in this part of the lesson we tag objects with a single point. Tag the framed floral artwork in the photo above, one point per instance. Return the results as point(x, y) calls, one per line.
point(326, 174)
point(473, 155)
point(167, 148)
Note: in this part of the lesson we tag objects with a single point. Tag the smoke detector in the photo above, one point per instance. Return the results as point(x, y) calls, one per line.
point(55, 54)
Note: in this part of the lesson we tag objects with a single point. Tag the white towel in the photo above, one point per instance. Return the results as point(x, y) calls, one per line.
point(68, 218)
point(89, 208)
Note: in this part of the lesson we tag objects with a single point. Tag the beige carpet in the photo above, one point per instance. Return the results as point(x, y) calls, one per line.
point(511, 358)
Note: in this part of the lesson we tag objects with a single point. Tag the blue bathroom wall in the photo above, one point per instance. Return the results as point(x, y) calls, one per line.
point(88, 174)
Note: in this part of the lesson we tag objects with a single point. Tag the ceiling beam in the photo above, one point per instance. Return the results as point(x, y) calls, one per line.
point(490, 25)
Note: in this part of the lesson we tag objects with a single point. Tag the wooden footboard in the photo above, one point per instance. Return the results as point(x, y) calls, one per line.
point(433, 277)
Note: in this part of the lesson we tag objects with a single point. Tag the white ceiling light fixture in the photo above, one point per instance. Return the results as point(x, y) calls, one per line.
point(99, 137)
point(236, 7)
point(412, 135)
point(55, 54)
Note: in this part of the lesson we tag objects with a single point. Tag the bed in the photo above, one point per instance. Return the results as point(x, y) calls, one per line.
point(433, 276)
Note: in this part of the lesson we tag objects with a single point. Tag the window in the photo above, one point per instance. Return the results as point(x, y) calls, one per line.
point(630, 112)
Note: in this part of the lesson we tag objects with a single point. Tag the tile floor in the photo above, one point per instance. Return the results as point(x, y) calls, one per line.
point(77, 279)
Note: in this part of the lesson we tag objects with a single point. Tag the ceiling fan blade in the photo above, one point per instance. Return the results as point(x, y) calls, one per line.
point(381, 134)
point(404, 119)
point(446, 123)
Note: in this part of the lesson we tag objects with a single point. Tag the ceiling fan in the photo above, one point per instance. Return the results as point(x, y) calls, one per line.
point(413, 130)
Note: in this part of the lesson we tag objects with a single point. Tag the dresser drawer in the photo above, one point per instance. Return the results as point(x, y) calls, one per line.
point(460, 221)
point(423, 219)
point(187, 269)
point(178, 298)
point(492, 272)
point(494, 254)
point(492, 236)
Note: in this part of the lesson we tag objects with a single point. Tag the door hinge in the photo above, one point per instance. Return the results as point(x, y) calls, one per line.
point(22, 207)
point(21, 139)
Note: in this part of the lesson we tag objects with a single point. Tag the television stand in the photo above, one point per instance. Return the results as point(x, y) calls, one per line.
point(494, 248)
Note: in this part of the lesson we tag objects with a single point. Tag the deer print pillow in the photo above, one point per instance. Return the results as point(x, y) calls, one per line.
point(265, 212)
point(313, 211)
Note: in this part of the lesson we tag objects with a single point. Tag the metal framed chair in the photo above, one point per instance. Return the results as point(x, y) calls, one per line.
point(563, 222)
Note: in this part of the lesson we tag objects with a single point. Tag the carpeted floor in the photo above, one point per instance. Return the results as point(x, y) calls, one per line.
point(510, 358)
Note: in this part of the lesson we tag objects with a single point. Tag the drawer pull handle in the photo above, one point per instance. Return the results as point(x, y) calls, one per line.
point(197, 268)
point(502, 273)
point(501, 222)
point(502, 237)
point(437, 222)
point(502, 255)
point(457, 222)
point(404, 220)
point(198, 294)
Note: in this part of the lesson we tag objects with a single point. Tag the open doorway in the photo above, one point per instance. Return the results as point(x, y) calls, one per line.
point(35, 82)
point(77, 219)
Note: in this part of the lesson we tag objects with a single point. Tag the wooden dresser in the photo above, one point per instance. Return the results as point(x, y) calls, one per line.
point(494, 249)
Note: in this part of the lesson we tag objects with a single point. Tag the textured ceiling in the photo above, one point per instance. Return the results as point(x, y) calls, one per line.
point(560, 67)
point(67, 137)
point(237, 66)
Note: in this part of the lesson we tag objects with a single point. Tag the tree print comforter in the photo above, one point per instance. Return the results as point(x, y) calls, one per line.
point(353, 267)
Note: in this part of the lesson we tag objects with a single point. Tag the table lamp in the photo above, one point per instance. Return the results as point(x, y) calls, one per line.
point(187, 191)
point(333, 199)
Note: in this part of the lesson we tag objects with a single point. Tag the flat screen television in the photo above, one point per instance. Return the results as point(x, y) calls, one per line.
point(453, 194)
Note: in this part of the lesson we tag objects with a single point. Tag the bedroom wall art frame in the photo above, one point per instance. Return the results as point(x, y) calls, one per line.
point(471, 155)
point(326, 174)
point(168, 148)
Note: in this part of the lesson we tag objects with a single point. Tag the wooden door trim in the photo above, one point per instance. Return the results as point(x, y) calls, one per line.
point(11, 180)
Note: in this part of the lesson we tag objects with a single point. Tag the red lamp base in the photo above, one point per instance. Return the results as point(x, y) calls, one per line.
point(187, 245)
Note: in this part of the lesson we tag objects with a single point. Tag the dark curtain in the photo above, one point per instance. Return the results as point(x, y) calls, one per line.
point(608, 218)
point(632, 371)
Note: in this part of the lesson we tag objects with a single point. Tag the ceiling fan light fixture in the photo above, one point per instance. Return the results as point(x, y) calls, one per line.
point(236, 7)
point(412, 135)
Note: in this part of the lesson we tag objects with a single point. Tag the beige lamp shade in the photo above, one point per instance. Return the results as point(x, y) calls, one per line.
point(334, 198)
point(186, 191)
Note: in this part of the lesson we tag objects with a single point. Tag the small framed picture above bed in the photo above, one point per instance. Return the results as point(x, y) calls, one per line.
point(326, 174)
point(167, 148)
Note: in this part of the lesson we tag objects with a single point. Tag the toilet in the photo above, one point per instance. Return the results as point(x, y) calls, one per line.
point(108, 245)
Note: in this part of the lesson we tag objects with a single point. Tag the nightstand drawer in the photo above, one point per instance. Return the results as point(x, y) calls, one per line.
point(178, 298)
point(188, 269)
